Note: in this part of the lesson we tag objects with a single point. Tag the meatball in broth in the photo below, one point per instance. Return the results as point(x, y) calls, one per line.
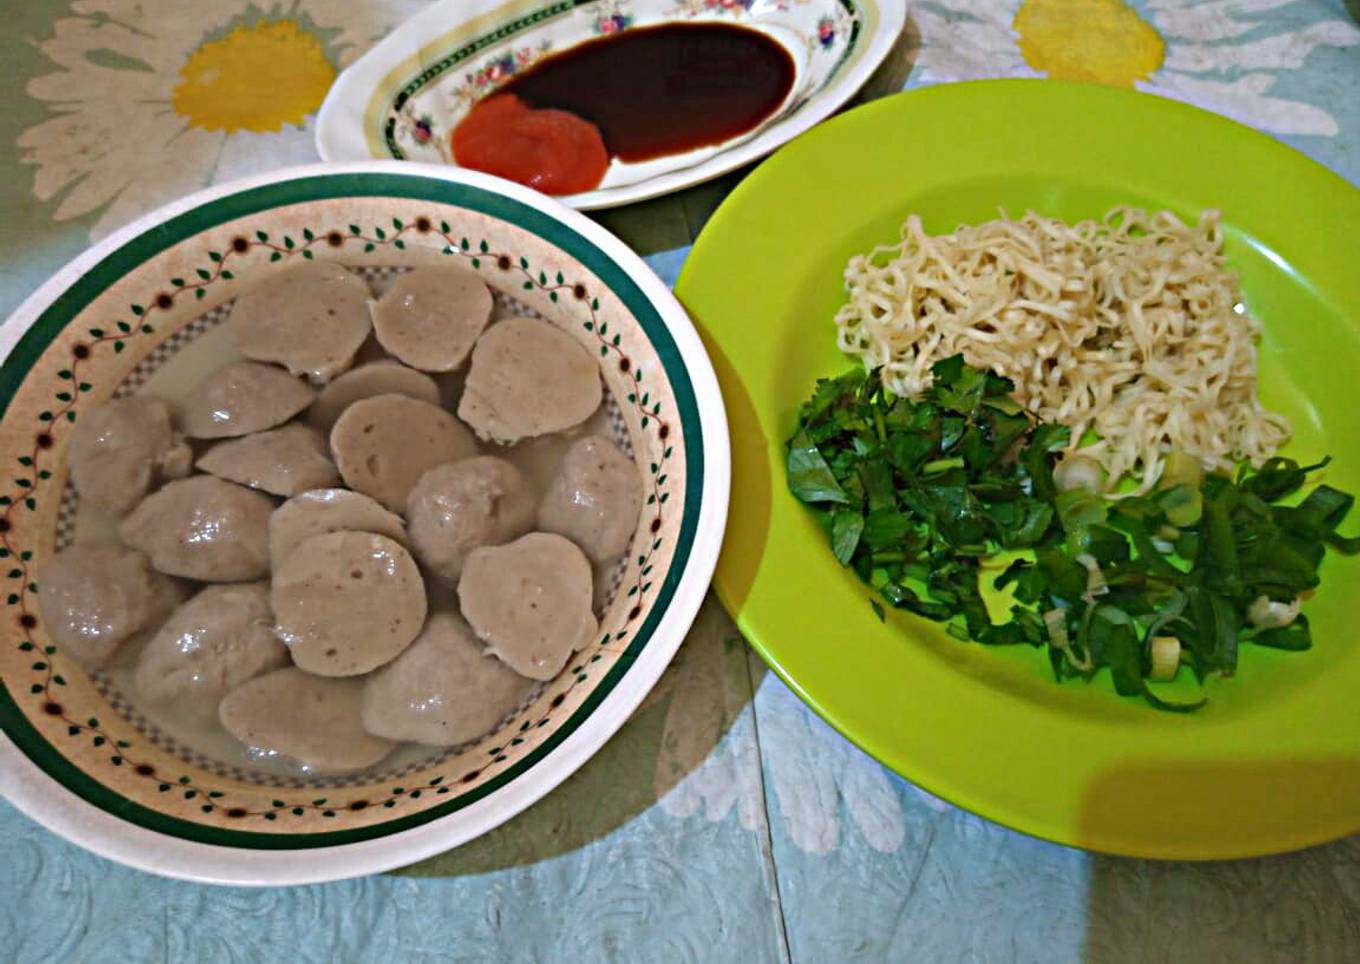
point(528, 378)
point(122, 450)
point(366, 381)
point(594, 499)
point(310, 318)
point(311, 720)
point(530, 602)
point(211, 644)
point(203, 528)
point(383, 445)
point(444, 690)
point(95, 595)
point(457, 507)
point(431, 317)
point(327, 510)
point(241, 398)
point(369, 570)
point(282, 461)
point(347, 602)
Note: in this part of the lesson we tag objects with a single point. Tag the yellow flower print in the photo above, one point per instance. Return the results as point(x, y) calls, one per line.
point(256, 78)
point(148, 100)
point(1103, 41)
point(1225, 56)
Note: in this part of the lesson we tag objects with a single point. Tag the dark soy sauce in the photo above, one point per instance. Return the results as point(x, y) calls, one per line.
point(661, 90)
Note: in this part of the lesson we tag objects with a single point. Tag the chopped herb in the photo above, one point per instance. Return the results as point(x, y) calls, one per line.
point(916, 495)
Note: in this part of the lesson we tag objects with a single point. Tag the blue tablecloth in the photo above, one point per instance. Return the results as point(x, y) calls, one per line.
point(724, 822)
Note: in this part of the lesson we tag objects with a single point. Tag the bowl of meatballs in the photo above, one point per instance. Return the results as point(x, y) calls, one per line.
point(349, 510)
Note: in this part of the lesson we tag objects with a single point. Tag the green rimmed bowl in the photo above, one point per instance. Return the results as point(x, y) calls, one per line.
point(79, 760)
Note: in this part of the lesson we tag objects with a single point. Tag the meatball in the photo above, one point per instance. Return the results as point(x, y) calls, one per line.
point(529, 601)
point(528, 378)
point(94, 595)
point(203, 528)
point(281, 461)
point(327, 510)
point(310, 318)
point(375, 378)
point(122, 450)
point(383, 445)
point(431, 317)
point(241, 398)
point(347, 602)
point(594, 499)
point(211, 644)
point(443, 690)
point(312, 720)
point(456, 507)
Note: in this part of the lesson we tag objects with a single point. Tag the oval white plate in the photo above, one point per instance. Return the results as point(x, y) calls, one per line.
point(402, 98)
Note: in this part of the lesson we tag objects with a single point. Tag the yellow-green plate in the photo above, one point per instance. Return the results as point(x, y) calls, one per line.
point(1273, 762)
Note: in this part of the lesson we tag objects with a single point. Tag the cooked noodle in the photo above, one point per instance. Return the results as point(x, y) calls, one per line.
point(1128, 328)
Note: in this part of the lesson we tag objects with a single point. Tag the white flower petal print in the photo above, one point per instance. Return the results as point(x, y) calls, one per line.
point(1200, 20)
point(798, 773)
point(94, 136)
point(1193, 30)
point(156, 32)
point(1286, 51)
point(871, 801)
point(811, 769)
point(1244, 100)
point(707, 763)
point(1204, 62)
point(93, 151)
point(249, 152)
point(85, 81)
point(994, 13)
point(979, 44)
point(723, 782)
point(126, 132)
point(187, 165)
point(358, 23)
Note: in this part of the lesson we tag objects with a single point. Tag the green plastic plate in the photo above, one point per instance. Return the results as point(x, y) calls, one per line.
point(1273, 762)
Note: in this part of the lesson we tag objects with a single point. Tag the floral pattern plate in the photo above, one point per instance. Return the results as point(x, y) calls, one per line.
point(77, 759)
point(403, 98)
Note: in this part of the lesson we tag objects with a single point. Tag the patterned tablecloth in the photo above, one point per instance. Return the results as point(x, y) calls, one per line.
point(724, 822)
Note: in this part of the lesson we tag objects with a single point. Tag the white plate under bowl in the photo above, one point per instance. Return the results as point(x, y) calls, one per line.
point(79, 759)
point(402, 98)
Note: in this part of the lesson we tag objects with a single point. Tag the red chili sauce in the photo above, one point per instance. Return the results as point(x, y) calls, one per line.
point(635, 95)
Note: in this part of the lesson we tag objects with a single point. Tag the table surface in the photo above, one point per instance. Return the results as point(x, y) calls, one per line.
point(724, 822)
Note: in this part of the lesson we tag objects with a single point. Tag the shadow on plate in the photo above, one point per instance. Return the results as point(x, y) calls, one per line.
point(1302, 906)
point(891, 75)
point(748, 528)
point(711, 680)
point(672, 220)
point(672, 733)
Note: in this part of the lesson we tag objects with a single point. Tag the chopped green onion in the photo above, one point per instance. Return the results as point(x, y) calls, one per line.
point(1265, 613)
point(1079, 472)
point(1181, 468)
point(1166, 658)
point(918, 495)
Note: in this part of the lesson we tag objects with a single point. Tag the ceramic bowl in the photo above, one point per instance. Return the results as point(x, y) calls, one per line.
point(78, 759)
point(403, 98)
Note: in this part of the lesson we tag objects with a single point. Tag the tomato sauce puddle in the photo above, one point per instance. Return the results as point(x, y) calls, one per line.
point(637, 95)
